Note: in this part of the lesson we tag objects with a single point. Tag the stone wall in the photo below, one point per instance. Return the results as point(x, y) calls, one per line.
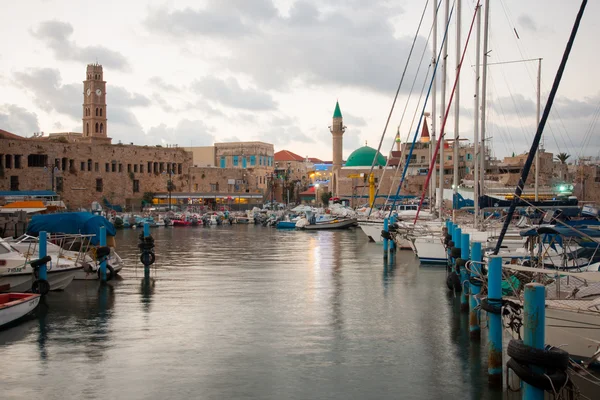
point(84, 173)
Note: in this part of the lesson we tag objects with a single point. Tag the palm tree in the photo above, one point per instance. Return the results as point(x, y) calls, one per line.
point(562, 157)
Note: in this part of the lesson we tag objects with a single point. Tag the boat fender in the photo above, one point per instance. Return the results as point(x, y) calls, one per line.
point(110, 272)
point(40, 286)
point(550, 380)
point(495, 308)
point(102, 252)
point(455, 252)
point(549, 358)
point(147, 258)
point(40, 261)
point(447, 239)
point(453, 282)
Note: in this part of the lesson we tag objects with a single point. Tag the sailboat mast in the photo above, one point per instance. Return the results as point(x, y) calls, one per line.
point(540, 129)
point(432, 194)
point(442, 107)
point(476, 121)
point(537, 153)
point(484, 68)
point(456, 113)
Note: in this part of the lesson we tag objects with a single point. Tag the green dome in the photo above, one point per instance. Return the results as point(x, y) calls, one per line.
point(363, 157)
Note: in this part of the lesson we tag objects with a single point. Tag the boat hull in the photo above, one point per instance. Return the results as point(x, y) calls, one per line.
point(14, 306)
point(430, 250)
point(58, 280)
point(335, 224)
point(286, 225)
point(575, 329)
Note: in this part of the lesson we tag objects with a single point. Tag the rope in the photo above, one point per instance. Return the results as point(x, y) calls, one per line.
point(398, 92)
point(442, 133)
point(412, 147)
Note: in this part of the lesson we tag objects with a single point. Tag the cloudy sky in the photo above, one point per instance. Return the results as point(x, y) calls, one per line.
point(205, 71)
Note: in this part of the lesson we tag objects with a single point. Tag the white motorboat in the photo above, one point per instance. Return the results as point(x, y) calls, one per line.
point(14, 306)
point(18, 273)
point(68, 247)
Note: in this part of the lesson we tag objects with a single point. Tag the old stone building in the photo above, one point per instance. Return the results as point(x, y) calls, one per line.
point(86, 167)
point(85, 172)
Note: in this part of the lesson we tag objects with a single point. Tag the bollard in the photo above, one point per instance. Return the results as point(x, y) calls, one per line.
point(474, 328)
point(464, 276)
point(103, 262)
point(495, 321)
point(43, 252)
point(457, 237)
point(534, 325)
point(392, 243)
point(385, 240)
point(146, 229)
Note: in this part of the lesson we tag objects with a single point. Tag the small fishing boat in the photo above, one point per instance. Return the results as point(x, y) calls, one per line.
point(286, 225)
point(181, 222)
point(14, 306)
point(16, 270)
point(341, 223)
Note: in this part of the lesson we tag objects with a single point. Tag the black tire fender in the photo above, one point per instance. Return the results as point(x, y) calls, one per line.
point(455, 252)
point(110, 272)
point(550, 380)
point(40, 286)
point(453, 282)
point(551, 358)
point(151, 258)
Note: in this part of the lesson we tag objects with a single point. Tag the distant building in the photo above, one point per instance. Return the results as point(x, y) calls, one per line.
point(86, 167)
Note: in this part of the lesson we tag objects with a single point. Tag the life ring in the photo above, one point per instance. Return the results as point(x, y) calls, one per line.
point(40, 286)
point(110, 272)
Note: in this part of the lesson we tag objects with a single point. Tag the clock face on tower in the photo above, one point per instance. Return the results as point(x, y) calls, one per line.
point(89, 91)
point(98, 92)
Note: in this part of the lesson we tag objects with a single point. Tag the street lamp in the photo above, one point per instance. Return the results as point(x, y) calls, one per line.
point(287, 187)
point(317, 194)
point(169, 182)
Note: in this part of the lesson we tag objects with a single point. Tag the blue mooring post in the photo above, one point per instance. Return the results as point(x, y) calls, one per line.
point(474, 329)
point(534, 329)
point(385, 240)
point(392, 243)
point(103, 262)
point(456, 237)
point(43, 250)
point(146, 267)
point(495, 322)
point(464, 276)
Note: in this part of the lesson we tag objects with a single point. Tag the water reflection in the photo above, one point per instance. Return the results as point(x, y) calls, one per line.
point(250, 312)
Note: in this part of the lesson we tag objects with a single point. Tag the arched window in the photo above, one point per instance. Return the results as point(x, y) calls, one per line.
point(96, 111)
point(87, 128)
point(101, 128)
point(96, 127)
point(100, 111)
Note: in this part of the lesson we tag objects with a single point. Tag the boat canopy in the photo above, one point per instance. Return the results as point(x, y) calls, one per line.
point(84, 223)
point(580, 232)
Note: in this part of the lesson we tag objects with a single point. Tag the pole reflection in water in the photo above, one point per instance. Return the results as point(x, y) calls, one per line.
point(249, 312)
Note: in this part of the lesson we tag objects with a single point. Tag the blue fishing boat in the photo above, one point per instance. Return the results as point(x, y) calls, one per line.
point(286, 225)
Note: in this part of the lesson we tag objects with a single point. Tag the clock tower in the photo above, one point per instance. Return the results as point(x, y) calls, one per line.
point(94, 105)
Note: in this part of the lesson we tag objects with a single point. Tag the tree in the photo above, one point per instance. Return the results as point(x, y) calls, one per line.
point(147, 198)
point(325, 196)
point(562, 157)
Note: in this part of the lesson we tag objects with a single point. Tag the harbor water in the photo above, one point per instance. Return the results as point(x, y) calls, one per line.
point(247, 312)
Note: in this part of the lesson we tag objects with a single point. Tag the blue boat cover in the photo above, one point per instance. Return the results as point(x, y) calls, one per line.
point(72, 223)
